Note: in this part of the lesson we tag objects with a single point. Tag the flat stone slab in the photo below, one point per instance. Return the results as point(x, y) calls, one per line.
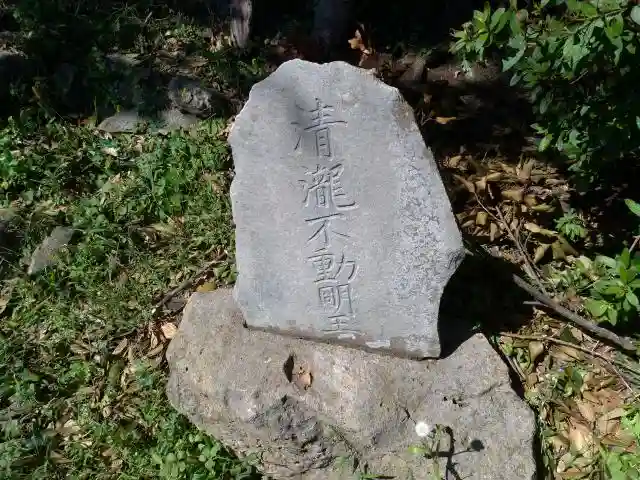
point(45, 254)
point(344, 231)
point(312, 410)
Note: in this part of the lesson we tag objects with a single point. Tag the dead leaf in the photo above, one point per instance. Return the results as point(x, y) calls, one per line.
point(559, 354)
point(206, 287)
point(530, 200)
point(566, 246)
point(570, 351)
point(494, 177)
point(481, 185)
point(558, 443)
point(607, 426)
point(444, 120)
point(4, 301)
point(169, 330)
point(534, 228)
point(564, 461)
point(581, 439)
point(586, 410)
point(454, 161)
point(469, 185)
point(513, 195)
point(481, 218)
point(613, 414)
point(558, 251)
point(110, 151)
point(153, 340)
point(524, 171)
point(591, 397)
point(535, 350)
point(469, 223)
point(78, 349)
point(493, 231)
point(155, 351)
point(540, 251)
point(120, 348)
point(357, 43)
point(542, 208)
point(57, 458)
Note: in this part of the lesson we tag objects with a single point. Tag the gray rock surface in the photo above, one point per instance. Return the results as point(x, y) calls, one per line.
point(344, 231)
point(127, 121)
point(45, 254)
point(311, 410)
point(189, 95)
point(131, 121)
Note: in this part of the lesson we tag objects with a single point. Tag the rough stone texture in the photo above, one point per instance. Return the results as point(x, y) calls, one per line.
point(246, 388)
point(344, 231)
point(45, 254)
point(130, 121)
point(189, 95)
point(122, 122)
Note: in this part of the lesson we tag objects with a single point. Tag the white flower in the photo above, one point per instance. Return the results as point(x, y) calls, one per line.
point(423, 429)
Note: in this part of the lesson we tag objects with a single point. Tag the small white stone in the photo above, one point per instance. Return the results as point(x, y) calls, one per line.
point(423, 429)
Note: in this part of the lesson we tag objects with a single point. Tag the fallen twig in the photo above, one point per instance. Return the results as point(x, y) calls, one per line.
point(539, 338)
point(573, 317)
point(514, 237)
point(187, 283)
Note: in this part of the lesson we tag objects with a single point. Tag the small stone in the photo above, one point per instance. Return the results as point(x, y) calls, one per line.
point(174, 119)
point(45, 254)
point(344, 231)
point(128, 121)
point(189, 95)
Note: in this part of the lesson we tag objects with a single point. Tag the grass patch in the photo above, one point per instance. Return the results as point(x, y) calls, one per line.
point(147, 210)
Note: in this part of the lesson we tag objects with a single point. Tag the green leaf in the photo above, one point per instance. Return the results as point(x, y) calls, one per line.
point(615, 290)
point(635, 284)
point(625, 258)
point(633, 206)
point(614, 28)
point(588, 9)
point(596, 308)
point(573, 6)
point(545, 142)
point(607, 261)
point(496, 17)
point(632, 298)
point(612, 316)
point(545, 102)
point(507, 64)
point(635, 14)
point(622, 273)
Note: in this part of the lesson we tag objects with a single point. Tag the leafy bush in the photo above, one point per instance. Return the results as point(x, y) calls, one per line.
point(572, 226)
point(614, 296)
point(622, 464)
point(577, 62)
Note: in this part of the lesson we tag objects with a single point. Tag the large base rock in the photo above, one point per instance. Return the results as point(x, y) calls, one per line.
point(313, 411)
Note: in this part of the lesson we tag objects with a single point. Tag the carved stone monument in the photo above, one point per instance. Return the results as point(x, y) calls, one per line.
point(344, 234)
point(344, 231)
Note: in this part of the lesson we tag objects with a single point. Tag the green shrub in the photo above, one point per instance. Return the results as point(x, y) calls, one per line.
point(577, 62)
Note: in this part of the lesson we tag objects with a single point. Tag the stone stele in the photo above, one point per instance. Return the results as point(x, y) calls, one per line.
point(314, 411)
point(344, 231)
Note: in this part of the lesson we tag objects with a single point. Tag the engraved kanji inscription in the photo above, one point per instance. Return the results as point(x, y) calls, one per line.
point(320, 118)
point(324, 231)
point(323, 189)
point(328, 269)
point(333, 279)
